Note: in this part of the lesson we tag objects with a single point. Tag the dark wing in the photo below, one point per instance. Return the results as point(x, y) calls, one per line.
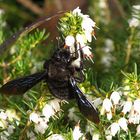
point(85, 106)
point(21, 85)
point(9, 42)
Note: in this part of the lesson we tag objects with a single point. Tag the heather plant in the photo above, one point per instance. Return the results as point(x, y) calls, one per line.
point(112, 80)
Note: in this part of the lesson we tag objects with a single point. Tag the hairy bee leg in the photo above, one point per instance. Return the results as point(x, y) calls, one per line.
point(85, 106)
point(80, 78)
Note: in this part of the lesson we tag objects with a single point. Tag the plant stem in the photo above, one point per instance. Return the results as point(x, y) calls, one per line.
point(28, 123)
point(129, 47)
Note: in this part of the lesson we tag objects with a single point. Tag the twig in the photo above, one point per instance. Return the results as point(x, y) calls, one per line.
point(129, 47)
point(32, 6)
point(28, 123)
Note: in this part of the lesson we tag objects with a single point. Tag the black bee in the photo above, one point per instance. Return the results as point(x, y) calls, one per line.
point(61, 76)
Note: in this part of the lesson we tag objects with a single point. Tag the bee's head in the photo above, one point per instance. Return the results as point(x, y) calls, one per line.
point(62, 55)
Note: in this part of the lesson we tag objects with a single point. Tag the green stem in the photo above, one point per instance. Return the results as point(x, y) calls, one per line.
point(28, 123)
point(129, 47)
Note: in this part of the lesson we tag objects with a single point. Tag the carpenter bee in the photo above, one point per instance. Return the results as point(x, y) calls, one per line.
point(61, 73)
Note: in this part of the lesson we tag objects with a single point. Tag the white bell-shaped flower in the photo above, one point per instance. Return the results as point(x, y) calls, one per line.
point(123, 123)
point(108, 137)
point(96, 136)
point(107, 104)
point(80, 38)
point(41, 126)
point(109, 115)
point(48, 111)
point(3, 115)
point(86, 51)
point(77, 11)
point(69, 40)
point(138, 130)
point(114, 128)
point(55, 137)
point(137, 105)
point(55, 104)
point(88, 24)
point(127, 107)
point(34, 117)
point(77, 133)
point(115, 97)
point(134, 22)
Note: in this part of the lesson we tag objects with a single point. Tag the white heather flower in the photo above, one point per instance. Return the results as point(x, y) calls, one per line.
point(136, 7)
point(30, 134)
point(123, 123)
point(134, 117)
point(106, 60)
point(88, 24)
point(80, 38)
point(95, 136)
point(109, 45)
point(109, 115)
point(3, 138)
point(115, 97)
point(89, 129)
point(97, 102)
point(72, 115)
point(86, 51)
point(127, 107)
point(107, 104)
point(3, 124)
point(3, 115)
point(134, 22)
point(88, 35)
point(48, 111)
point(138, 130)
point(69, 40)
point(10, 129)
point(108, 137)
point(126, 90)
point(5, 133)
point(34, 117)
point(56, 137)
point(102, 4)
point(77, 133)
point(103, 111)
point(77, 11)
point(1, 12)
point(77, 62)
point(41, 126)
point(137, 105)
point(114, 128)
point(12, 115)
point(55, 104)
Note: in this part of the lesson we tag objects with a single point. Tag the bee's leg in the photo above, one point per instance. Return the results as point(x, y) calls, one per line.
point(85, 106)
point(79, 77)
point(46, 64)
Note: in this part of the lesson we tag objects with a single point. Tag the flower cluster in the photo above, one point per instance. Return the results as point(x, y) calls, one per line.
point(134, 21)
point(41, 120)
point(8, 119)
point(122, 111)
point(77, 28)
point(106, 53)
point(77, 133)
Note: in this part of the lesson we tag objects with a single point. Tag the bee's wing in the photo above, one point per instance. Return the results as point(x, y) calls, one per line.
point(9, 42)
point(21, 85)
point(85, 106)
